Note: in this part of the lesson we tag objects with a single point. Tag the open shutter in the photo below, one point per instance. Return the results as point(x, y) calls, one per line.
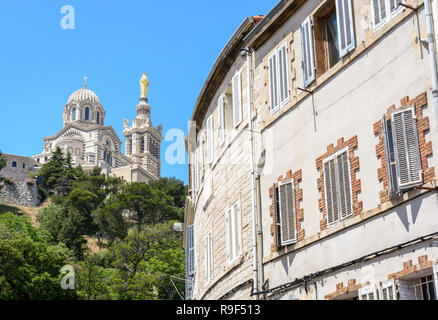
point(331, 198)
point(389, 291)
point(391, 169)
point(236, 231)
point(379, 12)
point(273, 84)
point(407, 151)
point(276, 223)
point(221, 120)
point(283, 74)
point(308, 60)
point(344, 182)
point(368, 293)
point(345, 18)
point(210, 139)
point(287, 213)
point(394, 5)
point(237, 105)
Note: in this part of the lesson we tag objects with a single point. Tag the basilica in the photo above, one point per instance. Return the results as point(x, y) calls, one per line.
point(93, 143)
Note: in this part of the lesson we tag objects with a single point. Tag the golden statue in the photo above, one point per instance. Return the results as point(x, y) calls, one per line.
point(144, 84)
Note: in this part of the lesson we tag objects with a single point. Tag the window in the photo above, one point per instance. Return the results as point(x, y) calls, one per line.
point(237, 101)
point(221, 120)
point(14, 164)
point(98, 117)
point(233, 222)
point(286, 192)
point(196, 172)
point(403, 161)
point(24, 166)
point(420, 286)
point(384, 10)
point(190, 260)
point(278, 78)
point(368, 293)
point(87, 113)
point(337, 186)
point(208, 258)
point(73, 114)
point(210, 139)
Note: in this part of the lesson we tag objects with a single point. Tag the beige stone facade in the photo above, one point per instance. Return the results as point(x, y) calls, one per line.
point(331, 226)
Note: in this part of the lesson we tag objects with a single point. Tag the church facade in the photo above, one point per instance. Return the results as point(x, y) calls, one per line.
point(92, 143)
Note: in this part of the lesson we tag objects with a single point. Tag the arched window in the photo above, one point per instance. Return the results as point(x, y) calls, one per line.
point(104, 155)
point(73, 114)
point(87, 113)
point(14, 164)
point(98, 117)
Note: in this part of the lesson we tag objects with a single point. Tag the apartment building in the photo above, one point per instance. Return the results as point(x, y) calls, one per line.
point(312, 171)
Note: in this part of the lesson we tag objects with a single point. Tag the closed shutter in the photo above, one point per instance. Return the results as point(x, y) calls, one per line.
point(208, 257)
point(344, 12)
point(407, 154)
point(201, 162)
point(287, 213)
point(273, 84)
point(237, 105)
point(283, 73)
point(344, 190)
point(308, 61)
point(196, 180)
point(210, 139)
point(389, 291)
point(236, 231)
point(230, 234)
point(368, 293)
point(190, 261)
point(379, 12)
point(221, 120)
point(330, 191)
point(391, 169)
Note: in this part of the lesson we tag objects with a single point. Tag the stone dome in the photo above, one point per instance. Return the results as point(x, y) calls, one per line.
point(83, 95)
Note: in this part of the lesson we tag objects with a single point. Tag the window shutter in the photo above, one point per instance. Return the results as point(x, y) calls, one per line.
point(210, 139)
point(237, 105)
point(308, 62)
point(236, 230)
point(407, 154)
point(344, 181)
point(367, 293)
point(345, 17)
point(287, 213)
point(394, 5)
point(391, 169)
point(331, 198)
point(221, 121)
point(389, 291)
point(379, 12)
point(273, 85)
point(229, 219)
point(201, 162)
point(276, 224)
point(283, 74)
point(196, 180)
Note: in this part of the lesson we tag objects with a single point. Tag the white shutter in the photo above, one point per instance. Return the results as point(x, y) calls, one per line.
point(379, 10)
point(287, 213)
point(229, 220)
point(391, 169)
point(344, 182)
point(273, 82)
point(196, 180)
point(345, 18)
point(190, 258)
point(208, 257)
point(201, 162)
point(237, 100)
point(221, 120)
point(407, 152)
point(283, 73)
point(236, 229)
point(210, 139)
point(308, 60)
point(331, 198)
point(368, 293)
point(389, 291)
point(394, 5)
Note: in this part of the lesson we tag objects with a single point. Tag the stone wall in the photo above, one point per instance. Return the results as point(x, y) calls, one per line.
point(19, 193)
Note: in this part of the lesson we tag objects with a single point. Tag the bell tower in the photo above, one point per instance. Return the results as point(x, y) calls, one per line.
point(142, 140)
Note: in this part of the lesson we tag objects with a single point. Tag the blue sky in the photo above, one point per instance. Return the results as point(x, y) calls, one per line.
point(41, 64)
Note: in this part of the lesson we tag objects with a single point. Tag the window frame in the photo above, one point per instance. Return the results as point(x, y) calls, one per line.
point(239, 107)
point(294, 240)
point(367, 291)
point(234, 236)
point(276, 56)
point(389, 14)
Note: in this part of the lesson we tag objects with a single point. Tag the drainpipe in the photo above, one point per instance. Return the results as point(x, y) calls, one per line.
point(248, 52)
point(431, 47)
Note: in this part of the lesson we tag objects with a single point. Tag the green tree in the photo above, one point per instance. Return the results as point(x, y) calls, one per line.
point(29, 265)
point(172, 187)
point(2, 161)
